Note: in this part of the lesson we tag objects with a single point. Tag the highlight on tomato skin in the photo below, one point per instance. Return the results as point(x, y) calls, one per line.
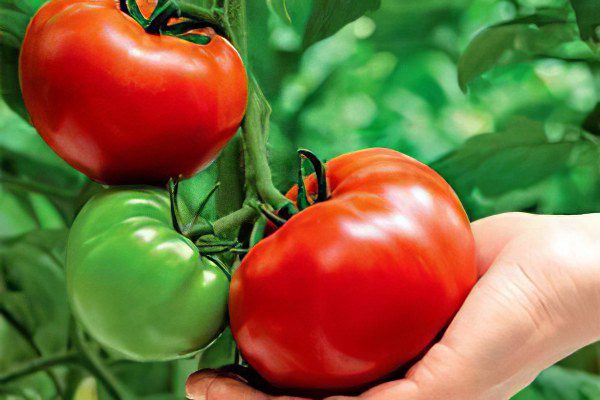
point(353, 288)
point(124, 106)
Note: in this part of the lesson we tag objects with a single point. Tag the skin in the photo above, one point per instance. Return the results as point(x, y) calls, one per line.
point(391, 224)
point(123, 106)
point(536, 302)
point(127, 268)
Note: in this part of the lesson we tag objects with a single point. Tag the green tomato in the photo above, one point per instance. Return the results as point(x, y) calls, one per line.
point(135, 284)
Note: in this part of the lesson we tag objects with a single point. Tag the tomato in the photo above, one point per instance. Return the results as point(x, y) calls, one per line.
point(354, 287)
point(138, 286)
point(124, 106)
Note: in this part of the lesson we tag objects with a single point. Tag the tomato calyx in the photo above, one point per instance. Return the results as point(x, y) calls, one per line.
point(170, 19)
point(197, 226)
point(305, 199)
point(200, 231)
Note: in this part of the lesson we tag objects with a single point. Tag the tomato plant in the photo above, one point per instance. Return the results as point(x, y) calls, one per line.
point(137, 285)
point(360, 282)
point(124, 105)
point(355, 276)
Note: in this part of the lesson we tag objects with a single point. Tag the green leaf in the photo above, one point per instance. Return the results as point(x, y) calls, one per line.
point(9, 80)
point(497, 163)
point(557, 383)
point(29, 7)
point(522, 39)
point(34, 267)
point(588, 18)
point(279, 8)
point(329, 16)
point(219, 353)
point(14, 22)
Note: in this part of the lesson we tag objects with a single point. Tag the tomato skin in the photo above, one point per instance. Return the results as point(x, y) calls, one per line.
point(123, 106)
point(351, 289)
point(138, 286)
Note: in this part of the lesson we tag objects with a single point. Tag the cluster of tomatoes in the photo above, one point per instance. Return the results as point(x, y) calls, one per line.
point(351, 288)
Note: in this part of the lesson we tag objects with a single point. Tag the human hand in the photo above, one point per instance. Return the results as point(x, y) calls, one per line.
point(537, 301)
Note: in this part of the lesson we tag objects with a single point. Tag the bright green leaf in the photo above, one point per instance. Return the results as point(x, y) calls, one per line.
point(279, 8)
point(497, 163)
point(557, 383)
point(522, 39)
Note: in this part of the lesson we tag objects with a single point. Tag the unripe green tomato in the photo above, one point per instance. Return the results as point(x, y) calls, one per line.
point(135, 284)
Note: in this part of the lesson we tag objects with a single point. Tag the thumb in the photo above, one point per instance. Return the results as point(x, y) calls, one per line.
point(219, 385)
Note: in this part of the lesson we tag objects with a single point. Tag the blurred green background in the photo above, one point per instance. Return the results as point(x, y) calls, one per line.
point(500, 97)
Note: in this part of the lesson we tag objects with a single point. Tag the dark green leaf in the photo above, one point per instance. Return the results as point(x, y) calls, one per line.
point(219, 353)
point(29, 7)
point(9, 80)
point(14, 22)
point(329, 16)
point(588, 18)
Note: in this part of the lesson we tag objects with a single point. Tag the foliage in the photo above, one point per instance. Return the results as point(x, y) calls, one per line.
point(500, 97)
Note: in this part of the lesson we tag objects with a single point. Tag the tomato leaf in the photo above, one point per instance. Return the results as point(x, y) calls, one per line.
point(497, 163)
point(329, 16)
point(549, 34)
point(9, 80)
point(588, 18)
point(34, 267)
point(219, 353)
point(557, 383)
point(279, 8)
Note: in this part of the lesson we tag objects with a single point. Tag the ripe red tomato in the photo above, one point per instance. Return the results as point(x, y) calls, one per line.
point(124, 106)
point(351, 289)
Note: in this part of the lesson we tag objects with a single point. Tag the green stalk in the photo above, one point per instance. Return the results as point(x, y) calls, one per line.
point(224, 225)
point(97, 368)
point(38, 365)
point(256, 122)
point(50, 191)
point(22, 331)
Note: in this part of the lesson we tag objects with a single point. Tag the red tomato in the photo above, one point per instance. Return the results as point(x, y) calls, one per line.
point(352, 288)
point(124, 106)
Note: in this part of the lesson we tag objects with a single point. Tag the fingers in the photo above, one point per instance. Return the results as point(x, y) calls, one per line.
point(217, 385)
point(402, 390)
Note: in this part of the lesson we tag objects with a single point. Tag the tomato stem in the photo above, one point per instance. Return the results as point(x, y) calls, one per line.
point(96, 367)
point(37, 365)
point(224, 225)
point(254, 136)
point(27, 337)
point(255, 127)
point(220, 265)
